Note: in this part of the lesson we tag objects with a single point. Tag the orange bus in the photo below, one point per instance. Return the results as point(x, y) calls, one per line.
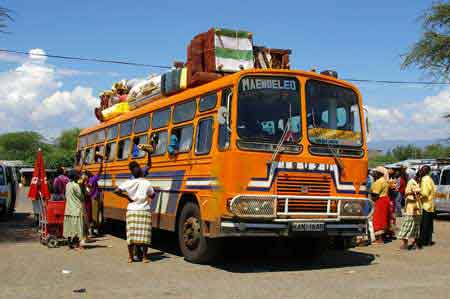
point(261, 153)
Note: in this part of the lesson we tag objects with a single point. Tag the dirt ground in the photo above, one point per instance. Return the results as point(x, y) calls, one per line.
point(255, 270)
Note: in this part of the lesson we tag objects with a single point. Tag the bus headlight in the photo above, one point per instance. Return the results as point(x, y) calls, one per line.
point(352, 208)
point(243, 206)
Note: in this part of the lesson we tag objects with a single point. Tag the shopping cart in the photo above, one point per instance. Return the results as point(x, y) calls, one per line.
point(51, 221)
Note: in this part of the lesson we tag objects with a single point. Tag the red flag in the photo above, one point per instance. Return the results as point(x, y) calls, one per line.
point(38, 184)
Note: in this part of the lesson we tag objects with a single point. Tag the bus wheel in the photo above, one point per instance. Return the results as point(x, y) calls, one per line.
point(194, 246)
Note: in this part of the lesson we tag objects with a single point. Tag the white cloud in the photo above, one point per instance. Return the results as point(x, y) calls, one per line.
point(32, 98)
point(71, 106)
point(412, 121)
point(12, 57)
point(37, 55)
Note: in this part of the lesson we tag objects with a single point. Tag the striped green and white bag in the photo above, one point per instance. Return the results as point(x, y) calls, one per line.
point(233, 49)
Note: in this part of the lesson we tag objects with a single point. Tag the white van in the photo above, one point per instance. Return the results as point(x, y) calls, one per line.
point(442, 199)
point(8, 187)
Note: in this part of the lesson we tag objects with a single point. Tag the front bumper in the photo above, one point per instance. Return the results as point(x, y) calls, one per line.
point(332, 229)
point(275, 215)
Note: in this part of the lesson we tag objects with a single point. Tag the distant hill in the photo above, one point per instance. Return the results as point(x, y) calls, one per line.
point(386, 145)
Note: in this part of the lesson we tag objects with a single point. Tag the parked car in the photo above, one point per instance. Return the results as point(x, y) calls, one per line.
point(442, 199)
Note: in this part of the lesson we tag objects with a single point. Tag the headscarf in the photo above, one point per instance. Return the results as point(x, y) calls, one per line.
point(383, 171)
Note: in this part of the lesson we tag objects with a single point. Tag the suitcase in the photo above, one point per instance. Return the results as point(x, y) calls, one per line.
point(174, 81)
point(228, 50)
point(271, 58)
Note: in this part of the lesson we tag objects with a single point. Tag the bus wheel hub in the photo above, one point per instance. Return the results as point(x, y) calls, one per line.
point(191, 232)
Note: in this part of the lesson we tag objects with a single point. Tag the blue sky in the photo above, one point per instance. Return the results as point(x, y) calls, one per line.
point(359, 39)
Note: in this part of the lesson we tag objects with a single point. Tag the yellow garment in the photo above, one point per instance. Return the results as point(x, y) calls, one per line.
point(427, 190)
point(413, 204)
point(380, 187)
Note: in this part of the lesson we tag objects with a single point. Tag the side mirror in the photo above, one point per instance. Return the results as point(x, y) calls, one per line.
point(366, 114)
point(222, 115)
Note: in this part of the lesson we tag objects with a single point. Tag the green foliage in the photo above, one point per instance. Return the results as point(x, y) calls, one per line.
point(68, 139)
point(20, 145)
point(5, 15)
point(24, 146)
point(400, 153)
point(432, 52)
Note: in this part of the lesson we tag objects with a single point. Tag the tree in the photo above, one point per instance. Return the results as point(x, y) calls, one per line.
point(4, 18)
point(24, 146)
point(400, 153)
point(68, 139)
point(432, 52)
point(21, 145)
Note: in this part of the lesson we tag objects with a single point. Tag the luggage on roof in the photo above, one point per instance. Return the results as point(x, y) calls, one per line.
point(228, 50)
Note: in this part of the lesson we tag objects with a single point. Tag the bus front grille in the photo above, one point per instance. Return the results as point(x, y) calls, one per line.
point(314, 185)
point(296, 205)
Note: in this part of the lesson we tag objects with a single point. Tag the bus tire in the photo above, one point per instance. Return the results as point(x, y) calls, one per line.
point(195, 247)
point(100, 221)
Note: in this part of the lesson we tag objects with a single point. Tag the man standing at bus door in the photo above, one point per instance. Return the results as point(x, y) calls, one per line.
point(138, 217)
point(427, 191)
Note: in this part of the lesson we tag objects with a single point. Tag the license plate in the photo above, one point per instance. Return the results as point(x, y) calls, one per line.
point(308, 227)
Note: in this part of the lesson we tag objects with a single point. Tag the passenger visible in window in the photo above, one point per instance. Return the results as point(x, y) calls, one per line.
point(149, 149)
point(174, 143)
point(135, 151)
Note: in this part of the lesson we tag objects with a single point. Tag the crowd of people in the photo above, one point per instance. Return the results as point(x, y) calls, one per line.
point(80, 189)
point(396, 194)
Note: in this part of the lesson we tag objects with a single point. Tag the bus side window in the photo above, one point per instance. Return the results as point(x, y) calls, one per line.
point(224, 134)
point(204, 136)
point(135, 152)
point(78, 156)
point(208, 102)
point(110, 151)
point(123, 151)
point(99, 149)
point(160, 149)
point(88, 155)
point(184, 137)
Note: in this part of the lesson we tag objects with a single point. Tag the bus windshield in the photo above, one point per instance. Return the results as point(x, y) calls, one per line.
point(333, 114)
point(267, 108)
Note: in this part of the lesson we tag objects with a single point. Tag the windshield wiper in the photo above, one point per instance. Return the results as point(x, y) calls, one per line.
point(333, 151)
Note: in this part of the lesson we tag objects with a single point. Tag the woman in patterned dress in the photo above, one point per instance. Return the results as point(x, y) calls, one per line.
point(410, 228)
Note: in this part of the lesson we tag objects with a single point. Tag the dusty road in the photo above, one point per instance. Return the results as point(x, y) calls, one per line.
point(30, 270)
